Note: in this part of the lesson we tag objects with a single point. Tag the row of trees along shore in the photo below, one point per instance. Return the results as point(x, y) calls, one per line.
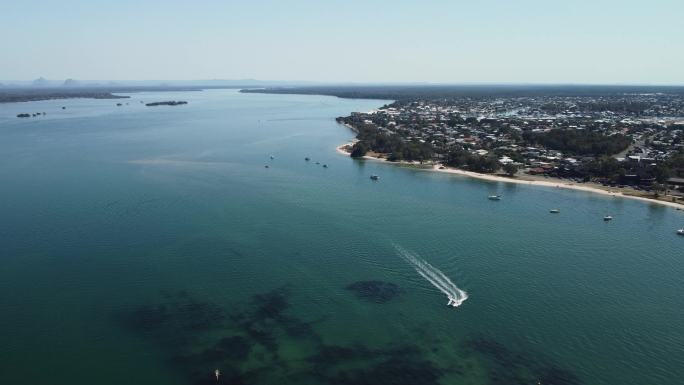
point(594, 147)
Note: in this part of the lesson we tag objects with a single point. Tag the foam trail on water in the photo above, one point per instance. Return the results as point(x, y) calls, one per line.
point(434, 276)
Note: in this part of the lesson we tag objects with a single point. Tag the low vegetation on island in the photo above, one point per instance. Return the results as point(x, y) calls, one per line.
point(167, 103)
point(32, 95)
point(25, 115)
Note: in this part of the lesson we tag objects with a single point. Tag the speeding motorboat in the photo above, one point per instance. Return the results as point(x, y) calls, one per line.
point(452, 302)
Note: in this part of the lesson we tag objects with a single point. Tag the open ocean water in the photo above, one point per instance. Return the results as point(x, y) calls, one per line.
point(150, 245)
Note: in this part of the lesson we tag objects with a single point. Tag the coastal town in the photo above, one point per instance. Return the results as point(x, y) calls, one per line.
point(632, 142)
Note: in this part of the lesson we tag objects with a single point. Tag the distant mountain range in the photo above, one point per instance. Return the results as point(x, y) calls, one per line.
point(42, 82)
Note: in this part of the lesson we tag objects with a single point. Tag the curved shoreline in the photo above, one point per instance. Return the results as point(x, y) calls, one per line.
point(496, 178)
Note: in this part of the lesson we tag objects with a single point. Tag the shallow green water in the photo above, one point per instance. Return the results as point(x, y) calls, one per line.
point(151, 245)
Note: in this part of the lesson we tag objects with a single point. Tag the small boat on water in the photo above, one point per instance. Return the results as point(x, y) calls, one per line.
point(307, 159)
point(554, 211)
point(374, 177)
point(608, 218)
point(680, 231)
point(494, 197)
point(266, 166)
point(272, 157)
point(325, 166)
point(217, 373)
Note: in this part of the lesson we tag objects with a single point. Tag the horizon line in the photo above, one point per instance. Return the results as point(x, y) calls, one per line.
point(60, 82)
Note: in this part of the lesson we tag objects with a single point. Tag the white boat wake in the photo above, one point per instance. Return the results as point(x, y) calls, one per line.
point(433, 275)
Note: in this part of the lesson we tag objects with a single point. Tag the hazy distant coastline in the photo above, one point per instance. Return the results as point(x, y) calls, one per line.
point(45, 89)
point(15, 95)
point(41, 90)
point(439, 91)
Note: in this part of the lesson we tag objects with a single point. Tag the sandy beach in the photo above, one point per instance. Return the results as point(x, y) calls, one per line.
point(551, 182)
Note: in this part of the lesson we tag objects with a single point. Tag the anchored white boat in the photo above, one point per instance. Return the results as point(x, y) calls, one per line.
point(374, 177)
point(608, 218)
point(554, 211)
point(494, 197)
point(680, 231)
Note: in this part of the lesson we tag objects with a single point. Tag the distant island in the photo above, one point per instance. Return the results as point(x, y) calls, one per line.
point(25, 115)
point(26, 94)
point(32, 95)
point(44, 89)
point(167, 103)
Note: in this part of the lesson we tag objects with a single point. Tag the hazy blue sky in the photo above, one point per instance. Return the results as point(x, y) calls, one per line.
point(571, 41)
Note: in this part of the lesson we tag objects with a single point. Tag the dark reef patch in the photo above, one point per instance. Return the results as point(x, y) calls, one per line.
point(271, 305)
point(496, 352)
point(263, 335)
point(265, 317)
point(227, 349)
point(261, 319)
point(333, 354)
point(179, 312)
point(245, 343)
point(395, 371)
point(375, 291)
point(399, 365)
point(294, 327)
point(514, 368)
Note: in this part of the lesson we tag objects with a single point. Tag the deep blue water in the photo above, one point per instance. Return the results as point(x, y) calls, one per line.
point(151, 245)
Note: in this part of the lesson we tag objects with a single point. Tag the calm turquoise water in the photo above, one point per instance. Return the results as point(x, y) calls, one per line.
point(151, 246)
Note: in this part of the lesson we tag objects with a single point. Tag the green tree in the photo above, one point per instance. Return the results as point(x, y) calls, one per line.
point(510, 169)
point(662, 173)
point(579, 142)
point(359, 149)
point(658, 188)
